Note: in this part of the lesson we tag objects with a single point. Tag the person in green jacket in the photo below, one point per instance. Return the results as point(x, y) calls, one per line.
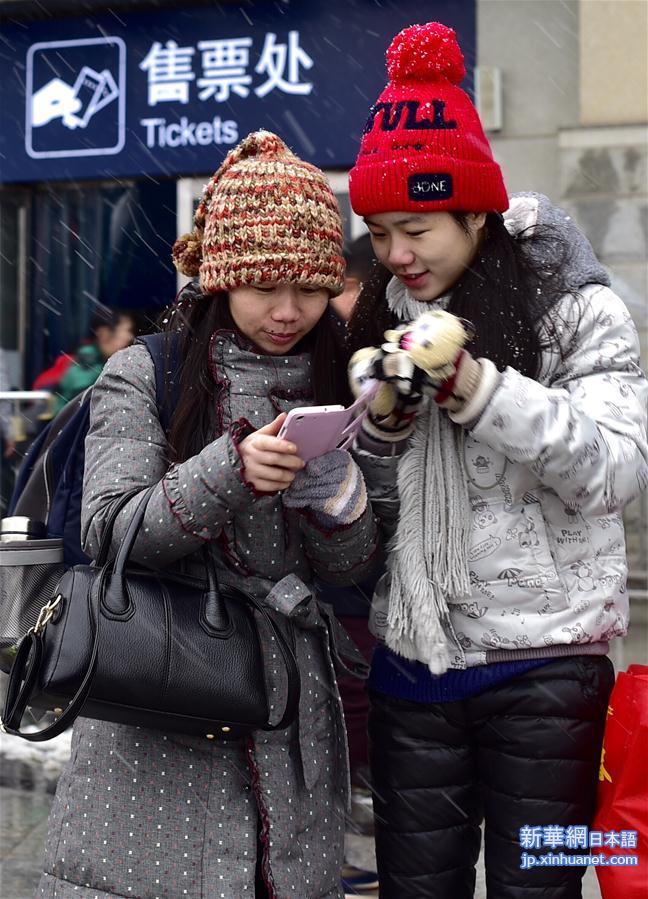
point(111, 332)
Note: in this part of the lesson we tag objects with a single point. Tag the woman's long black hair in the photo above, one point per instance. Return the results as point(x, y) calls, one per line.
point(189, 326)
point(506, 293)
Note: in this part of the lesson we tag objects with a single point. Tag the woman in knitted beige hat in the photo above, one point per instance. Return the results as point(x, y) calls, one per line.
point(146, 814)
point(501, 450)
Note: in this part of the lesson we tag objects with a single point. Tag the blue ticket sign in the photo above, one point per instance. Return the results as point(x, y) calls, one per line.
point(168, 92)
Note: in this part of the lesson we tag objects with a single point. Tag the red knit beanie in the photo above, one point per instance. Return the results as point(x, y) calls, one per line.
point(423, 147)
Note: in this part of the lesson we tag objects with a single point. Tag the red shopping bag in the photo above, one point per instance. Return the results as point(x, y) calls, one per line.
point(623, 787)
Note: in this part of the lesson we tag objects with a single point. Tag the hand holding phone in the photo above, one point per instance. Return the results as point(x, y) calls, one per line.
point(270, 463)
point(316, 430)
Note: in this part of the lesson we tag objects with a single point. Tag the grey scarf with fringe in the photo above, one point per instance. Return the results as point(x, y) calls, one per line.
point(428, 559)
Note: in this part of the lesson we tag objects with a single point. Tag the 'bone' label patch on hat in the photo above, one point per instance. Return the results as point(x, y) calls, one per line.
point(429, 186)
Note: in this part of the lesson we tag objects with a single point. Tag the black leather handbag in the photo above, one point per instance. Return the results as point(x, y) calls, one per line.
point(147, 648)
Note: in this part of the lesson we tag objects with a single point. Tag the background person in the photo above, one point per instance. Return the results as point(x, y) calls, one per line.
point(360, 261)
point(500, 474)
point(111, 330)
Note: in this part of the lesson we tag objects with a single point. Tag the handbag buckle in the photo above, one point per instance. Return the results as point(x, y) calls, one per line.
point(46, 614)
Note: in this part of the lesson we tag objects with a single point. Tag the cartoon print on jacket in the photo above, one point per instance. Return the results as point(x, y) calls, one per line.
point(528, 536)
point(464, 641)
point(495, 640)
point(483, 516)
point(472, 609)
point(482, 464)
point(576, 633)
point(607, 351)
point(583, 573)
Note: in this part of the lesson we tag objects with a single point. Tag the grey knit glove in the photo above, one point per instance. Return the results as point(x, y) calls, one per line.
point(331, 487)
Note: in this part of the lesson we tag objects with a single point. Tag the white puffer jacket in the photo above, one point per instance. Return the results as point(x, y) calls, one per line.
point(550, 466)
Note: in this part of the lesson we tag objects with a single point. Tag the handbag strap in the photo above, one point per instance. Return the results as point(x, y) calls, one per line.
point(290, 664)
point(22, 682)
point(27, 663)
point(131, 532)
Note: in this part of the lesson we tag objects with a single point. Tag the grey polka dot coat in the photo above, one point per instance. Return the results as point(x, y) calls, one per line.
point(152, 815)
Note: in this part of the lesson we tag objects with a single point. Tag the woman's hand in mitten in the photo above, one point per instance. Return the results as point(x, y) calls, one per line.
point(392, 411)
point(434, 344)
point(331, 486)
point(450, 375)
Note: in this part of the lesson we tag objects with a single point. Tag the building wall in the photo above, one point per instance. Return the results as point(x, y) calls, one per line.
point(614, 64)
point(535, 44)
point(604, 175)
point(575, 118)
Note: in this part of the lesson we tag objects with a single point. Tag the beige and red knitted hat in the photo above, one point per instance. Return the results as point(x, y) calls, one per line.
point(265, 216)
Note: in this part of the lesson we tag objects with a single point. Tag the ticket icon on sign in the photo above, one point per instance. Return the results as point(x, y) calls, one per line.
point(93, 90)
point(75, 93)
point(75, 104)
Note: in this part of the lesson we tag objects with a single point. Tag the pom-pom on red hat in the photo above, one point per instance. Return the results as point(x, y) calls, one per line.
point(423, 148)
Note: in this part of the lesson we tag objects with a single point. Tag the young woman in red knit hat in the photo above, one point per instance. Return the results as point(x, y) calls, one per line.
point(500, 452)
point(143, 813)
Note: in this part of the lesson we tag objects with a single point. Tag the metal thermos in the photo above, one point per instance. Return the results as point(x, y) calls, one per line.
point(19, 527)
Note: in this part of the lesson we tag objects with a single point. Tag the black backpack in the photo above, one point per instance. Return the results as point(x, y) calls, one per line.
point(50, 481)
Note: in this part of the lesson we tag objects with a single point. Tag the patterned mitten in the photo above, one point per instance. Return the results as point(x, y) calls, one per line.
point(331, 486)
point(391, 414)
point(434, 343)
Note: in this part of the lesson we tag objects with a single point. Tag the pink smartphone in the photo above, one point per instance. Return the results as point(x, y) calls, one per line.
point(316, 430)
